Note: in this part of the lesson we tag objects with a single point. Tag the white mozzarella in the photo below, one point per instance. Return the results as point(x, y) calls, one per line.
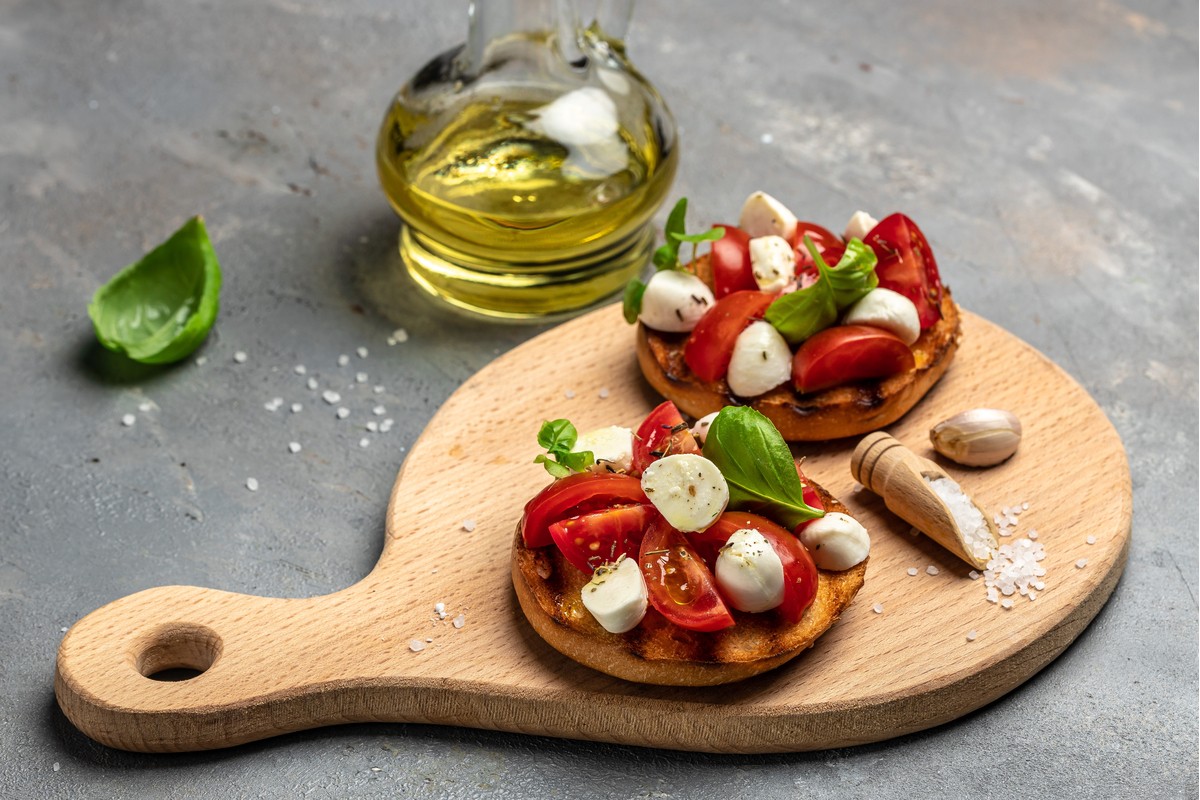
point(761, 360)
point(749, 572)
point(612, 448)
point(616, 595)
point(773, 262)
point(859, 226)
point(674, 301)
point(763, 215)
point(883, 308)
point(836, 541)
point(700, 429)
point(687, 489)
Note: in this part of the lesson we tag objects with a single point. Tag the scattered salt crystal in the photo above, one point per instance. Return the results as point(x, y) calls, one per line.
point(932, 570)
point(912, 571)
point(429, 639)
point(201, 361)
point(1091, 540)
point(57, 766)
point(971, 634)
point(416, 645)
point(766, 138)
point(379, 411)
point(331, 397)
point(569, 394)
point(603, 393)
point(360, 377)
point(297, 408)
point(1024, 506)
point(1014, 569)
point(459, 621)
point(342, 412)
point(239, 357)
point(252, 484)
point(311, 383)
point(973, 575)
point(299, 369)
point(877, 608)
point(343, 360)
point(293, 447)
point(1081, 563)
point(1033, 534)
point(372, 426)
point(128, 420)
point(362, 352)
point(400, 335)
point(974, 529)
point(143, 407)
point(364, 442)
point(386, 425)
point(377, 389)
point(1007, 602)
point(468, 525)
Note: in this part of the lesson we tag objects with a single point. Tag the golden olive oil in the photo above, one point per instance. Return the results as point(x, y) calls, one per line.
point(520, 203)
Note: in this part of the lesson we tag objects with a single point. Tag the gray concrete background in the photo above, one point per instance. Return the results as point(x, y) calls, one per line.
point(1049, 150)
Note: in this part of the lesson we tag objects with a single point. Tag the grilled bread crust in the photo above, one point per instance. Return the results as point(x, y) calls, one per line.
point(657, 651)
point(848, 410)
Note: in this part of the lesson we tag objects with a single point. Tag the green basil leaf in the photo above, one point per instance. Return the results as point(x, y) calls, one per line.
point(854, 274)
point(695, 238)
point(800, 314)
point(666, 257)
point(758, 466)
point(557, 436)
point(577, 460)
point(676, 220)
point(631, 305)
point(160, 309)
point(552, 466)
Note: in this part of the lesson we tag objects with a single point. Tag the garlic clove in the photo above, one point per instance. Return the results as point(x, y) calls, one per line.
point(981, 437)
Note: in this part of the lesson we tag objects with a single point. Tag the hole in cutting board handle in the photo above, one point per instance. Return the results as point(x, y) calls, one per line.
point(178, 651)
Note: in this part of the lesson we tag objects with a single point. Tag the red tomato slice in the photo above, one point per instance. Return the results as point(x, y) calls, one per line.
point(906, 265)
point(709, 347)
point(680, 587)
point(828, 244)
point(574, 495)
point(799, 571)
point(811, 498)
point(599, 537)
point(847, 353)
point(731, 263)
point(663, 432)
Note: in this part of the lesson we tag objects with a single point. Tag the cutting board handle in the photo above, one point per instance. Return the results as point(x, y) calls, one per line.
point(251, 662)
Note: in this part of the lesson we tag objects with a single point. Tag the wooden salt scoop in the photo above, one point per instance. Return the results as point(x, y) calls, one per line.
point(901, 478)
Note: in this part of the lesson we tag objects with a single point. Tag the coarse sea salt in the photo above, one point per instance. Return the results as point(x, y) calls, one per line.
point(468, 525)
point(971, 634)
point(912, 571)
point(252, 484)
point(932, 570)
point(293, 447)
point(877, 608)
point(1014, 569)
point(974, 528)
point(128, 420)
point(416, 645)
point(459, 621)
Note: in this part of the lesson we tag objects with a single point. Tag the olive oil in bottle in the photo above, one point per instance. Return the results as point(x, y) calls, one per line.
point(533, 197)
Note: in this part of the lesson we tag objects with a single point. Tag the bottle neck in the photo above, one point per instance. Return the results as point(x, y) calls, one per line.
point(495, 21)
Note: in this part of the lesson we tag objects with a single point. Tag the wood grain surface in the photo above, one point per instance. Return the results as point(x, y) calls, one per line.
point(268, 666)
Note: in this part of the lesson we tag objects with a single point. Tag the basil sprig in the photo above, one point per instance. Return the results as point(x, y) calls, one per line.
point(806, 311)
point(758, 466)
point(558, 437)
point(159, 309)
point(667, 256)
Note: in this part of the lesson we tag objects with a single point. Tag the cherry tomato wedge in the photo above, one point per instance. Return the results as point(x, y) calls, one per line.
point(811, 499)
point(847, 353)
point(599, 537)
point(828, 244)
point(709, 347)
point(731, 263)
point(574, 495)
point(906, 265)
point(799, 571)
point(663, 432)
point(680, 586)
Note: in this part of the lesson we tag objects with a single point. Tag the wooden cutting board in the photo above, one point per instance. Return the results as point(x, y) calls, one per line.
point(898, 661)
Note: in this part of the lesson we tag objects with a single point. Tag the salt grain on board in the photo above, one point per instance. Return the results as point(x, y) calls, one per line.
point(971, 634)
point(416, 645)
point(468, 525)
point(912, 571)
point(459, 621)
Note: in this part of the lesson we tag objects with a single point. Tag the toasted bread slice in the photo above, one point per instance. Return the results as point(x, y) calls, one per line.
point(848, 410)
point(657, 651)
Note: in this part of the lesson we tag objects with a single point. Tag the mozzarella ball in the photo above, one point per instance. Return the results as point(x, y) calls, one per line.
point(761, 360)
point(674, 301)
point(616, 595)
point(773, 262)
point(749, 572)
point(612, 448)
point(836, 541)
point(687, 489)
point(700, 429)
point(883, 308)
point(859, 226)
point(763, 215)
